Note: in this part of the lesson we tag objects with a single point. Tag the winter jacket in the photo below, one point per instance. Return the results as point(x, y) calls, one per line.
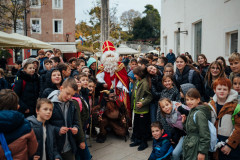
point(182, 78)
point(209, 92)
point(64, 114)
point(50, 145)
point(160, 147)
point(174, 119)
point(19, 136)
point(3, 84)
point(29, 94)
point(157, 87)
point(141, 93)
point(48, 86)
point(203, 69)
point(42, 81)
point(223, 121)
point(197, 139)
point(173, 94)
point(171, 58)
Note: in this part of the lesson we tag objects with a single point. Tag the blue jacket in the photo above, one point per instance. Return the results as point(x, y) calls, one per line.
point(160, 147)
point(171, 58)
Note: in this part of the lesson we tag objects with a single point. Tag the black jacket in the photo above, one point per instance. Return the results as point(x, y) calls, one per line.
point(48, 86)
point(157, 87)
point(58, 121)
point(29, 94)
point(51, 148)
point(42, 80)
point(183, 78)
point(209, 92)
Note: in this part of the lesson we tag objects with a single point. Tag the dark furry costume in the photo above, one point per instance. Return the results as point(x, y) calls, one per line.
point(112, 115)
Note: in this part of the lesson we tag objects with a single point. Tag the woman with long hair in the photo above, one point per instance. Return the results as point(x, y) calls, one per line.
point(202, 64)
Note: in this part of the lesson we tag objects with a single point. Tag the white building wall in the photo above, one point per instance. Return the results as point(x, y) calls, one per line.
point(218, 17)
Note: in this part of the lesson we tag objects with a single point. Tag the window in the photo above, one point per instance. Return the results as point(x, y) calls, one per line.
point(35, 25)
point(58, 26)
point(197, 39)
point(231, 42)
point(57, 4)
point(35, 3)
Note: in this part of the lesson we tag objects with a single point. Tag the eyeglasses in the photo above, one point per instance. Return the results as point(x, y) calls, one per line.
point(215, 68)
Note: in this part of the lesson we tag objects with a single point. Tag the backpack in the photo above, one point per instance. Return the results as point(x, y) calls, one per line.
point(213, 134)
point(79, 102)
point(23, 85)
point(7, 152)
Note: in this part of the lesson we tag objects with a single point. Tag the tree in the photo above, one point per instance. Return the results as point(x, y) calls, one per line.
point(148, 27)
point(127, 19)
point(12, 13)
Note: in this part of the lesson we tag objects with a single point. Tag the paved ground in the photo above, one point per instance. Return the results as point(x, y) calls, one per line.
point(115, 148)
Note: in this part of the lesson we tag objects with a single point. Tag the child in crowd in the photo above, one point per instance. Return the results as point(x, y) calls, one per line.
point(82, 109)
point(42, 78)
point(73, 65)
point(55, 61)
point(172, 111)
point(236, 85)
point(41, 57)
point(17, 131)
point(133, 64)
point(65, 70)
point(140, 102)
point(161, 142)
point(53, 81)
point(27, 89)
point(65, 119)
point(170, 92)
point(161, 62)
point(168, 69)
point(17, 67)
point(143, 63)
point(226, 68)
point(80, 64)
point(86, 70)
point(215, 70)
point(197, 141)
point(203, 64)
point(156, 89)
point(3, 82)
point(234, 61)
point(225, 117)
point(44, 132)
point(132, 80)
point(48, 65)
point(91, 64)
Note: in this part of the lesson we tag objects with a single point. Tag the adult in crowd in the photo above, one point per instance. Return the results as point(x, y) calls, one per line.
point(171, 57)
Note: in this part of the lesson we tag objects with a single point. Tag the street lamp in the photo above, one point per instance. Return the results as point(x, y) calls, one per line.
point(179, 29)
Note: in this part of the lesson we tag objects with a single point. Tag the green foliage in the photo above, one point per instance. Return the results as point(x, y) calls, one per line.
point(5, 53)
point(148, 27)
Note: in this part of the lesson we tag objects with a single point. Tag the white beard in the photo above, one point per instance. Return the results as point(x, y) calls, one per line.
point(110, 63)
point(110, 66)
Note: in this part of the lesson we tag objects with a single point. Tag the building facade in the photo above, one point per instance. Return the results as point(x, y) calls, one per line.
point(200, 26)
point(53, 21)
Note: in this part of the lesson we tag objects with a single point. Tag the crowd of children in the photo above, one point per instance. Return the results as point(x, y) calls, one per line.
point(57, 100)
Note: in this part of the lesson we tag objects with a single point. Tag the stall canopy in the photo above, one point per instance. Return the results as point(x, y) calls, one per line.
point(16, 40)
point(123, 49)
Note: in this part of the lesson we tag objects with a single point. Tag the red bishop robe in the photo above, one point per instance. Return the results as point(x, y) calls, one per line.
point(119, 75)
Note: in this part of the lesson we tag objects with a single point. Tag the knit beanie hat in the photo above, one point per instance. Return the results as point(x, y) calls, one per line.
point(90, 61)
point(185, 87)
point(131, 75)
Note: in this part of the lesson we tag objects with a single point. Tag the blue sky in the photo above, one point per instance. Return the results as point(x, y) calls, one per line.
point(82, 6)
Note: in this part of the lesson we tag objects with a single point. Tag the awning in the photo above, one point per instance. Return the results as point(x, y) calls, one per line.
point(10, 41)
point(123, 49)
point(16, 40)
point(65, 47)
